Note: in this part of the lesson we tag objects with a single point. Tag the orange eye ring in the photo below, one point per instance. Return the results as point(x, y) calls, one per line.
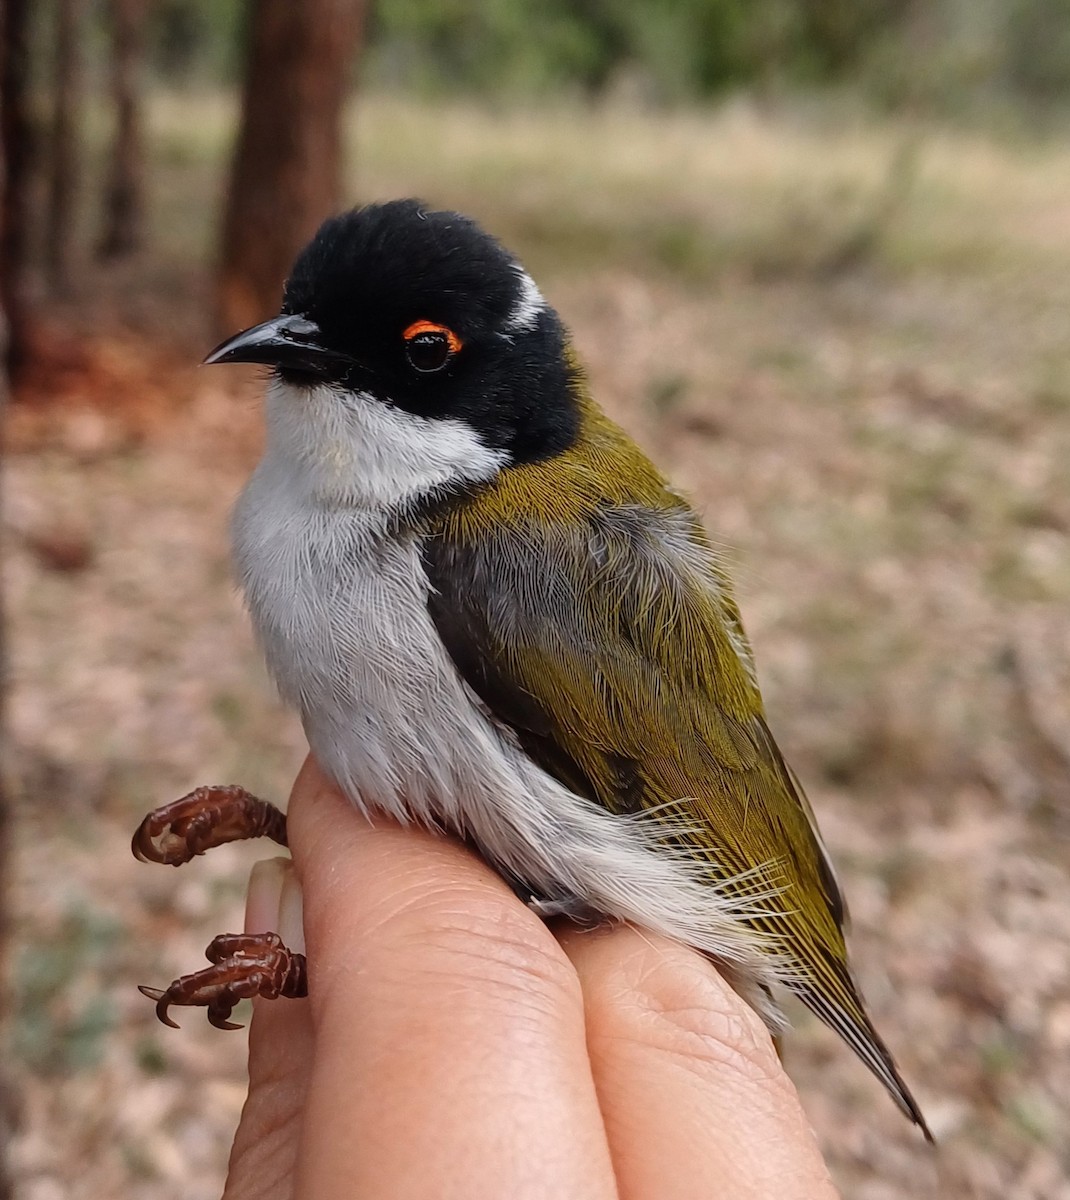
point(429, 347)
point(419, 327)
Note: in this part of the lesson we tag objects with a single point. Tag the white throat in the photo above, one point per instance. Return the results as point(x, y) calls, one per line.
point(349, 448)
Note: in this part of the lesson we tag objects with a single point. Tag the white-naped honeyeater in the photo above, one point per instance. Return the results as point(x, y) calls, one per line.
point(497, 618)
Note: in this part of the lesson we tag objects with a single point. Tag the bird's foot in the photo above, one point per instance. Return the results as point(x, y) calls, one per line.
point(207, 817)
point(243, 965)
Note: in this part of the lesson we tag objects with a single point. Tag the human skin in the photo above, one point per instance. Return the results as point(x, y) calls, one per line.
point(454, 1047)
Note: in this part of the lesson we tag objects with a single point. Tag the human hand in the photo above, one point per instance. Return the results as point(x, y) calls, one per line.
point(454, 1046)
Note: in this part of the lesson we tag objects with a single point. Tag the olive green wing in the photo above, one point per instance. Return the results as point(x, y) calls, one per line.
point(615, 652)
point(612, 647)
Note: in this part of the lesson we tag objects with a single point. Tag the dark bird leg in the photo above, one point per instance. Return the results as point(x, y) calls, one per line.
point(207, 817)
point(243, 965)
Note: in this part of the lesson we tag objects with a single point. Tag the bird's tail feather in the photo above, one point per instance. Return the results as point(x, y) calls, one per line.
point(844, 1013)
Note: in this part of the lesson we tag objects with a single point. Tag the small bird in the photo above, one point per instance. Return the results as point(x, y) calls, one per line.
point(496, 617)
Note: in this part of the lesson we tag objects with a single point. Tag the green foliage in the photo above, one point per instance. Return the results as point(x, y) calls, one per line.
point(1037, 59)
point(197, 39)
point(936, 54)
point(675, 48)
point(522, 44)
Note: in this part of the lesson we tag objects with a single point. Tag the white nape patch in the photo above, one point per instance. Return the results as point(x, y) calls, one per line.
point(528, 306)
point(351, 449)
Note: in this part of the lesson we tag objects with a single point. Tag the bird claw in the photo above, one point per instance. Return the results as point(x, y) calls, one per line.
point(160, 996)
point(207, 817)
point(243, 965)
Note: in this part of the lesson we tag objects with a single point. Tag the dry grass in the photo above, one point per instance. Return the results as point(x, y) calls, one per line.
point(884, 449)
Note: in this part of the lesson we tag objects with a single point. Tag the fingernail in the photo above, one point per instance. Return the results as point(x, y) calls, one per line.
point(264, 896)
point(291, 912)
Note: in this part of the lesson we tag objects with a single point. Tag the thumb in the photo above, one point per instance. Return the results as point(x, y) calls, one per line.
point(264, 1154)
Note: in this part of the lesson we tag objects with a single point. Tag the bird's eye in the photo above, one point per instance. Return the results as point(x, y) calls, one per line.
point(429, 347)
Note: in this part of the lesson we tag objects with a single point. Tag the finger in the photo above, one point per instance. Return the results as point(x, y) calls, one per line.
point(694, 1098)
point(264, 1152)
point(451, 1052)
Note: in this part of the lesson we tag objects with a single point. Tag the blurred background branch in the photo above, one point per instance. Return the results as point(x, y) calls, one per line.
point(122, 230)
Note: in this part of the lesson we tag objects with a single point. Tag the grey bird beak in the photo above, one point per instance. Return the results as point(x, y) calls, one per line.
point(287, 341)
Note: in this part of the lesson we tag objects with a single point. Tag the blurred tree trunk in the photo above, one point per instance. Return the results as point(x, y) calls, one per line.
point(124, 199)
point(64, 165)
point(286, 171)
point(16, 151)
point(6, 1101)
